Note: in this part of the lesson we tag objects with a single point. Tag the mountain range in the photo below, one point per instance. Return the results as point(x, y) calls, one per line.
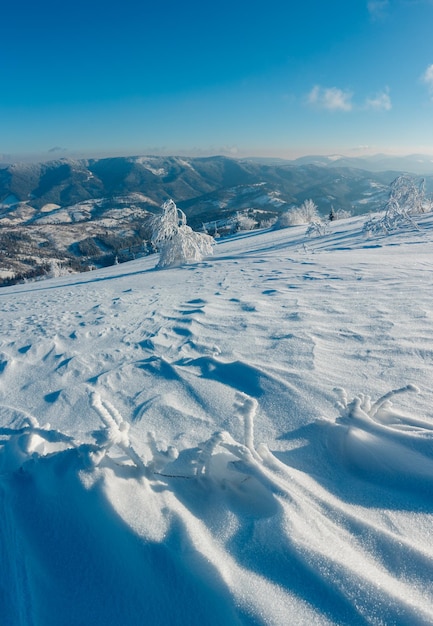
point(91, 211)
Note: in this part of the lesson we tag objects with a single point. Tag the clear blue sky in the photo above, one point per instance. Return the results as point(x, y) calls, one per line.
point(275, 77)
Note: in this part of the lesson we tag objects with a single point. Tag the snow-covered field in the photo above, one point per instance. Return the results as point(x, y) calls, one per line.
point(217, 444)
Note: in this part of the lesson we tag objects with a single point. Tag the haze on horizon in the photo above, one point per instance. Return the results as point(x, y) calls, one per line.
point(104, 79)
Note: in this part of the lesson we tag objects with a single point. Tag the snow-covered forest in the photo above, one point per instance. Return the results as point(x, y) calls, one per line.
point(246, 439)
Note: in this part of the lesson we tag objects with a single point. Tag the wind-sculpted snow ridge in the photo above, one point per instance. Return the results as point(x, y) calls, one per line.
point(379, 444)
point(223, 533)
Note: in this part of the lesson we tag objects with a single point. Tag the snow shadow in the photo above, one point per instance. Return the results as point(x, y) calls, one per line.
point(371, 454)
point(79, 559)
point(225, 532)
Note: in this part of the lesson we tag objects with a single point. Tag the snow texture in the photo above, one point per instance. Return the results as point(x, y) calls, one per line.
point(245, 440)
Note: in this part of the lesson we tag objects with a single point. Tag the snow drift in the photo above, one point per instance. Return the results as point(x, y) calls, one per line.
point(245, 440)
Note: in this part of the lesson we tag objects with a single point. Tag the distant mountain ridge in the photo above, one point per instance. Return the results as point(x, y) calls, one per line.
point(193, 182)
point(93, 211)
point(417, 164)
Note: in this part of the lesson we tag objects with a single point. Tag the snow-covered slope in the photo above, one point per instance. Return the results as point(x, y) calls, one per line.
point(217, 443)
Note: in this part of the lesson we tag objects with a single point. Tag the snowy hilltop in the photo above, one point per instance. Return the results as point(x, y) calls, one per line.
point(246, 439)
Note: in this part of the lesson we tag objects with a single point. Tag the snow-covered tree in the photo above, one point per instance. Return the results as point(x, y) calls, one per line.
point(56, 269)
point(406, 199)
point(304, 214)
point(245, 222)
point(308, 210)
point(342, 214)
point(317, 228)
point(176, 242)
point(408, 196)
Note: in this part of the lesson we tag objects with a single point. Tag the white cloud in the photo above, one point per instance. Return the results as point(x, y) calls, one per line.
point(377, 8)
point(380, 102)
point(330, 98)
point(427, 78)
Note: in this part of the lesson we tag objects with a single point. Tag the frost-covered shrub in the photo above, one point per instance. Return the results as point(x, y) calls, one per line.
point(245, 222)
point(286, 219)
point(339, 214)
point(308, 211)
point(342, 214)
point(176, 242)
point(297, 216)
point(317, 228)
point(56, 269)
point(406, 199)
point(269, 223)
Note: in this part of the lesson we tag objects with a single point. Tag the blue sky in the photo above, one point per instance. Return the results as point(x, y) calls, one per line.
point(274, 78)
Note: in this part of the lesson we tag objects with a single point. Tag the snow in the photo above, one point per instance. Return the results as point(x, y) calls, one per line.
point(47, 208)
point(148, 161)
point(244, 440)
point(61, 216)
point(6, 274)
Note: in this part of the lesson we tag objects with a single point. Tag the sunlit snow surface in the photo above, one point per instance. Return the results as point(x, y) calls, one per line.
point(219, 443)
